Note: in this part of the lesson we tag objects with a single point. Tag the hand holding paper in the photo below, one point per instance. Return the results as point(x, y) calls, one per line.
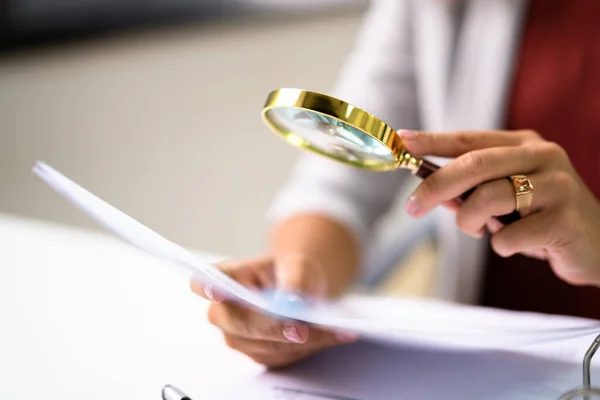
point(269, 341)
point(394, 321)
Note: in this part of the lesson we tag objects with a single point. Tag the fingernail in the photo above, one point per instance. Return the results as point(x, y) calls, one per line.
point(211, 295)
point(208, 292)
point(412, 206)
point(406, 134)
point(291, 333)
point(346, 337)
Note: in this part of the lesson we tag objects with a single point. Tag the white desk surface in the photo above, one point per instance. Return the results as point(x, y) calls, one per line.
point(84, 316)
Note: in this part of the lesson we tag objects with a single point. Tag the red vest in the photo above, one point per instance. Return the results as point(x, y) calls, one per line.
point(557, 93)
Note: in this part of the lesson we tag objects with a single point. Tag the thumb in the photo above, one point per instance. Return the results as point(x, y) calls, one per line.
point(301, 275)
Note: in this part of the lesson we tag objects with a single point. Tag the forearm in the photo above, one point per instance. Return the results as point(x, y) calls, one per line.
point(323, 241)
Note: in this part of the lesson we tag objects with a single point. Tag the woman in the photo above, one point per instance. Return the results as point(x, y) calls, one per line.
point(514, 86)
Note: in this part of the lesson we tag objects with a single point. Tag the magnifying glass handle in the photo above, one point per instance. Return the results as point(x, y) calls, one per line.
point(427, 168)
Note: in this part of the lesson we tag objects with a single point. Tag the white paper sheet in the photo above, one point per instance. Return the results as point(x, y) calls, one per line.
point(426, 324)
point(373, 372)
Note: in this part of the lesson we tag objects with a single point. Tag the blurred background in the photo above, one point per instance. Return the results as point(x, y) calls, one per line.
point(155, 106)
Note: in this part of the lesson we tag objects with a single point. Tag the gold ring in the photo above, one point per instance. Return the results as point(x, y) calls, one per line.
point(523, 191)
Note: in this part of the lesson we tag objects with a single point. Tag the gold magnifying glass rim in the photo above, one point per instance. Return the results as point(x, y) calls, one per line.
point(331, 107)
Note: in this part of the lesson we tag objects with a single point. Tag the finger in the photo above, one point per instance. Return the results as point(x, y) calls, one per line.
point(493, 225)
point(451, 205)
point(253, 274)
point(235, 265)
point(454, 144)
point(466, 172)
point(282, 359)
point(265, 277)
point(276, 353)
point(318, 339)
point(236, 320)
point(297, 273)
point(490, 200)
point(244, 276)
point(254, 347)
point(205, 291)
point(527, 234)
point(256, 273)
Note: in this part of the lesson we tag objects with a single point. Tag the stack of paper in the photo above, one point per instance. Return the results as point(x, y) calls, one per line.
point(414, 323)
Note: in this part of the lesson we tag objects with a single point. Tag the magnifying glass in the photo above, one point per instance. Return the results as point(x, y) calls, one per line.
point(340, 131)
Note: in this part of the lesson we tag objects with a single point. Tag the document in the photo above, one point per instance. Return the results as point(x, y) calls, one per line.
point(397, 322)
point(368, 371)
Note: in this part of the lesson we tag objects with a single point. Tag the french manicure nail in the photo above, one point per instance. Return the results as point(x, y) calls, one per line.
point(208, 292)
point(291, 333)
point(406, 134)
point(412, 206)
point(213, 296)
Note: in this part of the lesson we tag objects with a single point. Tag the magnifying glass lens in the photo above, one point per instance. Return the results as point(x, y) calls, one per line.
point(328, 135)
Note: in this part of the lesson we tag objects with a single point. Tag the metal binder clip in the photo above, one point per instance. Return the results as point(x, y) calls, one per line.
point(586, 392)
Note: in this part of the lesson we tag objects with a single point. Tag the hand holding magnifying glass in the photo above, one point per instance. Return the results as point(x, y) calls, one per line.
point(345, 133)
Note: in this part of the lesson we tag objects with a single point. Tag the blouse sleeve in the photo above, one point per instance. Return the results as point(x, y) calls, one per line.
point(378, 77)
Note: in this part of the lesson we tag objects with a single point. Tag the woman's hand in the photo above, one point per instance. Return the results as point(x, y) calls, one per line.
point(268, 341)
point(562, 225)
